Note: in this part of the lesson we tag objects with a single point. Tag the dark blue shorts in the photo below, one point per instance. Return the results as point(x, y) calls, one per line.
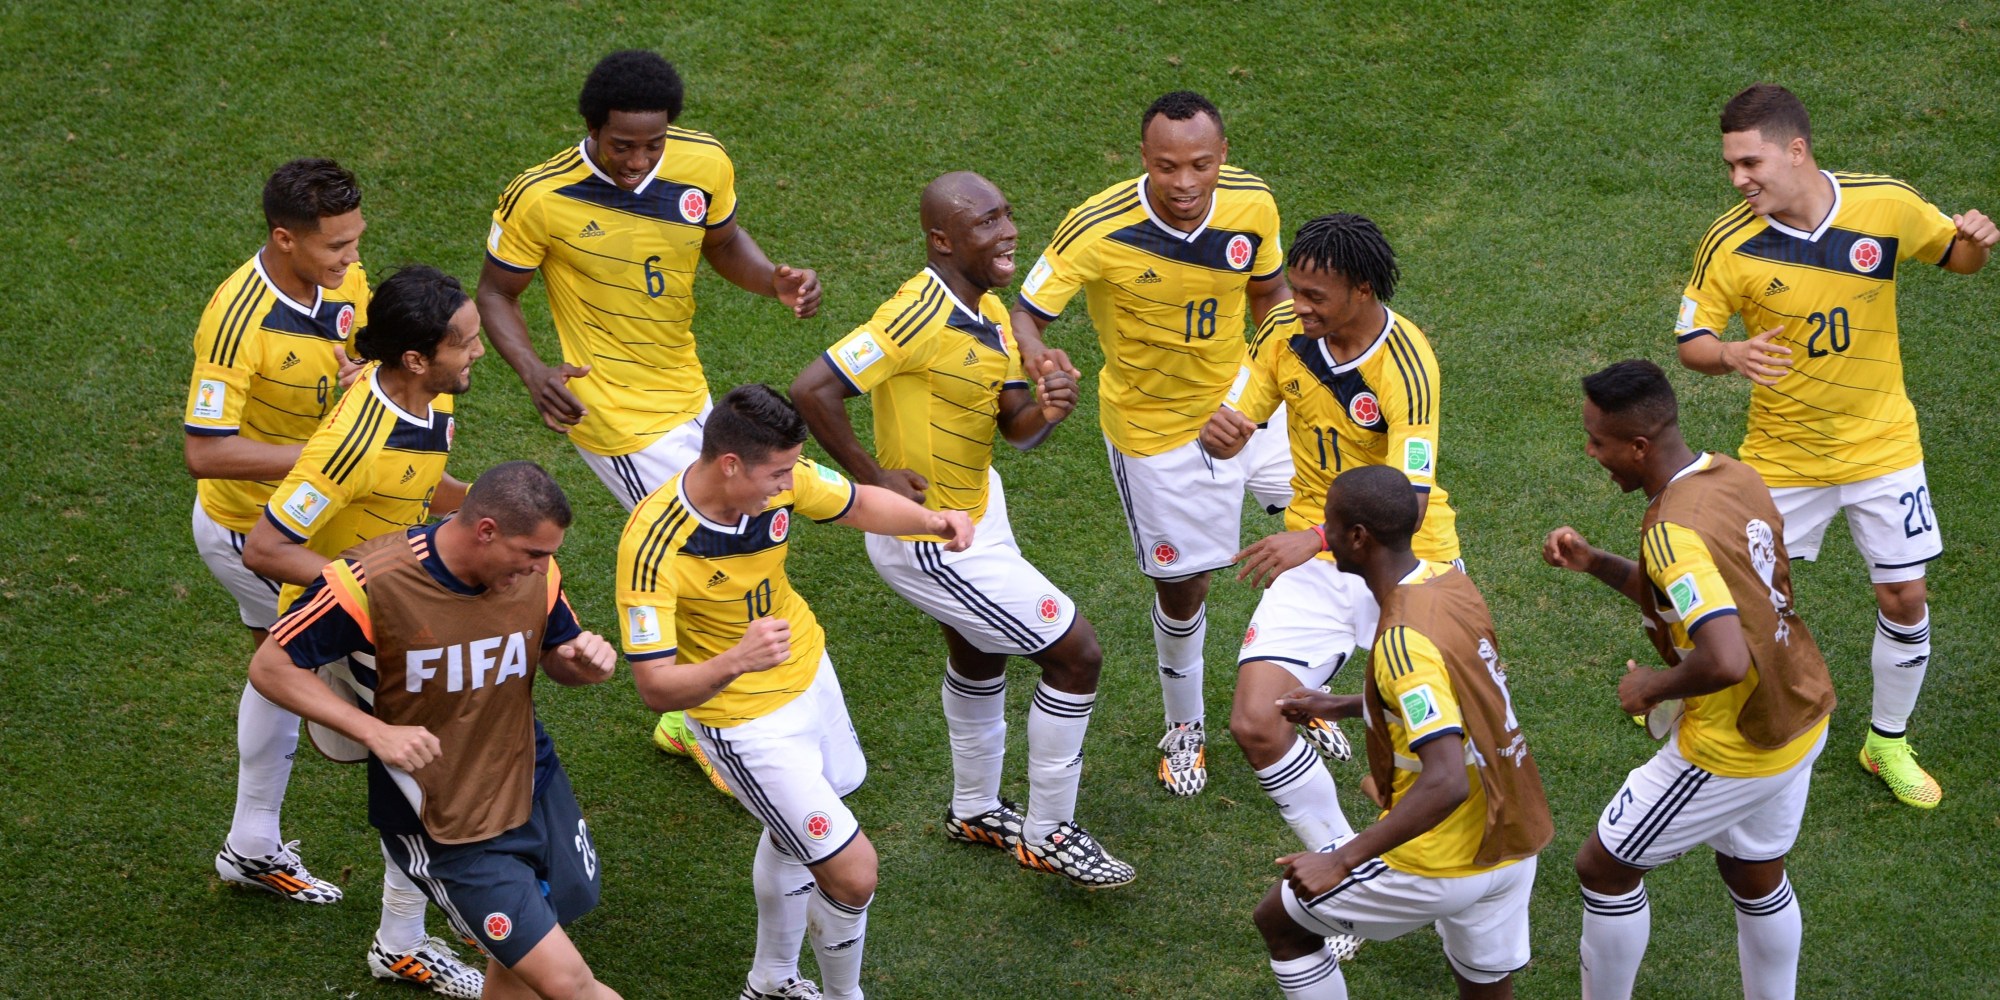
point(505, 894)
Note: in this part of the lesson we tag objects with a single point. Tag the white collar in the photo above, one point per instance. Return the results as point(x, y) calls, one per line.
point(1147, 203)
point(1414, 575)
point(1700, 462)
point(375, 387)
point(1388, 323)
point(970, 313)
point(680, 490)
point(257, 261)
point(1824, 224)
point(583, 149)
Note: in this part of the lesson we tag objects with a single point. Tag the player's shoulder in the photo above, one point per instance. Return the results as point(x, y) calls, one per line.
point(536, 181)
point(917, 306)
point(244, 279)
point(1861, 186)
point(691, 142)
point(1277, 327)
point(1734, 225)
point(1401, 649)
point(656, 529)
point(1236, 188)
point(1106, 211)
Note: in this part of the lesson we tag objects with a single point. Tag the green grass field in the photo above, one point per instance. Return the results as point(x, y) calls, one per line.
point(1544, 173)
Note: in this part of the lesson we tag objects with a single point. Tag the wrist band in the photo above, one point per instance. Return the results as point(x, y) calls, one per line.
point(1321, 532)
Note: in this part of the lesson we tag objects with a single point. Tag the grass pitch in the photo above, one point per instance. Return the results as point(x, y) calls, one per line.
point(1543, 171)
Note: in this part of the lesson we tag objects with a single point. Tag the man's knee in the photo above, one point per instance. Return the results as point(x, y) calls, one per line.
point(1902, 602)
point(1283, 937)
point(1073, 664)
point(1180, 599)
point(849, 877)
point(1599, 872)
point(1254, 721)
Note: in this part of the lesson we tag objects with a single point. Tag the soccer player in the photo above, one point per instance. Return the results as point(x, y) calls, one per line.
point(616, 226)
point(463, 783)
point(268, 354)
point(1809, 260)
point(712, 626)
point(1360, 385)
point(1171, 264)
point(1713, 585)
point(375, 465)
point(1464, 812)
point(943, 375)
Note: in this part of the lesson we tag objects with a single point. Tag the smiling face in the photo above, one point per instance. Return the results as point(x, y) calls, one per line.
point(981, 236)
point(1772, 173)
point(449, 370)
point(506, 558)
point(1324, 300)
point(628, 146)
point(323, 255)
point(1183, 161)
point(1609, 441)
point(749, 486)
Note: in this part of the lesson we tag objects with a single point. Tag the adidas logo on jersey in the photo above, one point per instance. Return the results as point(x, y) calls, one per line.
point(717, 578)
point(591, 230)
point(1149, 278)
point(1776, 286)
point(291, 358)
point(970, 357)
point(409, 473)
point(1292, 387)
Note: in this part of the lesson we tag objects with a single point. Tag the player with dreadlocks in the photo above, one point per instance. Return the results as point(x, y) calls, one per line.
point(1360, 383)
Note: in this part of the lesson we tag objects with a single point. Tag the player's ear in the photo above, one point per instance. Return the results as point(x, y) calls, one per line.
point(283, 239)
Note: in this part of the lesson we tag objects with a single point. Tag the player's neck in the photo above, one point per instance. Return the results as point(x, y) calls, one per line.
point(1663, 465)
point(956, 282)
point(1810, 210)
point(1348, 340)
point(278, 268)
point(702, 484)
point(454, 541)
point(405, 389)
point(1386, 573)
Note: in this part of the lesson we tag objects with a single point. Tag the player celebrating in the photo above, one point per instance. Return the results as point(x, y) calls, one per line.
point(713, 626)
point(378, 464)
point(1170, 264)
point(1464, 815)
point(1810, 260)
point(942, 377)
point(1360, 384)
point(1714, 587)
point(616, 226)
point(463, 783)
point(267, 356)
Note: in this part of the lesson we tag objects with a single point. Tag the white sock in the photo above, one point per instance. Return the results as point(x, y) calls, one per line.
point(1303, 789)
point(402, 928)
point(1179, 645)
point(267, 737)
point(1768, 932)
point(838, 933)
point(975, 714)
point(1056, 724)
point(1314, 977)
point(782, 886)
point(1902, 654)
point(1615, 929)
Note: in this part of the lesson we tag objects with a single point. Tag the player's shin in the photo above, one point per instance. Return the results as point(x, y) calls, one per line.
point(267, 738)
point(1303, 789)
point(1615, 931)
point(1900, 657)
point(975, 715)
point(1179, 644)
point(1057, 722)
point(402, 927)
point(1768, 935)
point(838, 932)
point(1313, 977)
point(783, 887)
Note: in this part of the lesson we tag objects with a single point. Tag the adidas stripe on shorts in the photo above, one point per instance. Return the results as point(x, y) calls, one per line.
point(631, 477)
point(1185, 506)
point(1668, 806)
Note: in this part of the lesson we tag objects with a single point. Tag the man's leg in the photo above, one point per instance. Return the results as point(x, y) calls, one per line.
point(974, 695)
point(1769, 928)
point(781, 886)
point(1180, 629)
point(1306, 970)
point(1287, 767)
point(552, 970)
point(838, 916)
point(1899, 660)
point(1617, 922)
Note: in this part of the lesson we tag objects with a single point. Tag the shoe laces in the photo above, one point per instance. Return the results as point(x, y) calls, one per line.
point(288, 854)
point(1183, 738)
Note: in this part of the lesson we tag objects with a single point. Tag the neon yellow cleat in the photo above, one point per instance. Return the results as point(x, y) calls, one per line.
point(1895, 762)
point(671, 735)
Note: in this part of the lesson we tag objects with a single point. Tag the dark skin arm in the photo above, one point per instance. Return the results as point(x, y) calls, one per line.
point(1026, 421)
point(1720, 658)
point(1440, 788)
point(1565, 548)
point(821, 397)
point(737, 257)
point(1029, 331)
point(1265, 295)
point(499, 302)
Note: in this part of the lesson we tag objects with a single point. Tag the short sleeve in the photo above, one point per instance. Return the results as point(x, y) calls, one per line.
point(336, 466)
point(1409, 405)
point(819, 492)
point(1058, 273)
point(223, 366)
point(1255, 391)
point(1708, 300)
point(1270, 260)
point(519, 238)
point(878, 349)
point(722, 201)
point(1683, 572)
point(647, 586)
point(1927, 233)
point(321, 628)
point(1410, 676)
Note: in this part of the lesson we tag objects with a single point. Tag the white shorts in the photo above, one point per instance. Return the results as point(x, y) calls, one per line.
point(791, 768)
point(1310, 619)
point(1668, 806)
point(222, 549)
point(1185, 507)
point(631, 477)
point(989, 593)
point(1889, 517)
point(1482, 918)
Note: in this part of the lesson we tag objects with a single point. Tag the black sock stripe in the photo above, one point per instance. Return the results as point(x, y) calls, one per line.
point(1617, 906)
point(1317, 974)
point(975, 689)
point(1046, 703)
point(1295, 764)
point(1180, 629)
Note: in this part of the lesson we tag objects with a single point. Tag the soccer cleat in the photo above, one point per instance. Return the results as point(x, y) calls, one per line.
point(995, 827)
point(431, 965)
point(671, 735)
point(1895, 762)
point(1184, 759)
point(1075, 855)
point(1326, 737)
point(1343, 946)
point(794, 989)
point(281, 873)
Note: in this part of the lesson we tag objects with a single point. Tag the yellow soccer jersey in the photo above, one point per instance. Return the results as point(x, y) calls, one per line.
point(268, 368)
point(1841, 414)
point(1169, 307)
point(620, 266)
point(1378, 409)
point(1419, 705)
point(689, 588)
point(370, 469)
point(1690, 593)
point(933, 370)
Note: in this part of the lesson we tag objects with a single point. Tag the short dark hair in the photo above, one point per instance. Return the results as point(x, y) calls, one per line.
point(410, 311)
point(1773, 111)
point(1379, 498)
point(1180, 106)
point(304, 191)
point(1351, 245)
point(518, 496)
point(630, 80)
point(752, 421)
point(1635, 392)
